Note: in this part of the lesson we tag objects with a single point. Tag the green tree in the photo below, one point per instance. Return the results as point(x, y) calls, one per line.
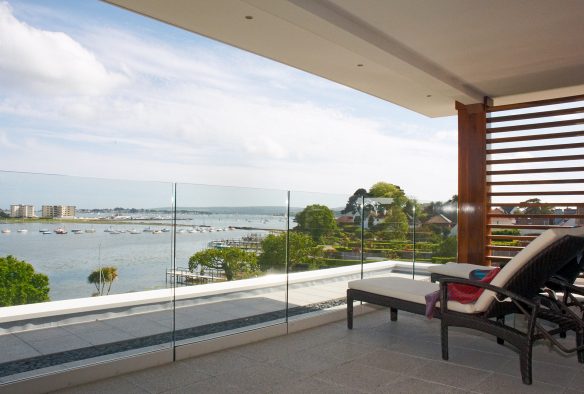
point(235, 262)
point(384, 189)
point(448, 248)
point(20, 284)
point(355, 201)
point(316, 220)
point(536, 210)
point(395, 224)
point(302, 251)
point(102, 277)
point(3, 215)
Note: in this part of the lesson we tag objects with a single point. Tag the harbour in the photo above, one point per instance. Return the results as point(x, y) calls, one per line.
point(142, 255)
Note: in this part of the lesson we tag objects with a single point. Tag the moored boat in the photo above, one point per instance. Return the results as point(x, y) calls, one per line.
point(60, 230)
point(6, 231)
point(22, 230)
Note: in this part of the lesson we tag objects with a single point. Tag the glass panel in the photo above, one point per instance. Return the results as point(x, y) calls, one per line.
point(436, 232)
point(98, 289)
point(324, 251)
point(230, 260)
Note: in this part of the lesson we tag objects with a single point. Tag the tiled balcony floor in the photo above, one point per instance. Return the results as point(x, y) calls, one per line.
point(376, 356)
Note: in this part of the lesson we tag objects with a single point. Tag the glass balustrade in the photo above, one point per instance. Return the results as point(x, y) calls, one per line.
point(82, 270)
point(94, 270)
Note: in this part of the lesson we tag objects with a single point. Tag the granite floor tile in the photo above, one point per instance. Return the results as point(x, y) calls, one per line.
point(166, 377)
point(112, 385)
point(314, 385)
point(395, 362)
point(358, 376)
point(456, 375)
point(504, 384)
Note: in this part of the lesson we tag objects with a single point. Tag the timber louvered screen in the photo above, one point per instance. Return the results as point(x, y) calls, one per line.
point(535, 172)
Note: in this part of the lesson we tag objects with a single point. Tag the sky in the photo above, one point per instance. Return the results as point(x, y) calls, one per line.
point(91, 90)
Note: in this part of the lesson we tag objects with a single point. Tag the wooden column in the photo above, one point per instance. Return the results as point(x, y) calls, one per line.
point(472, 185)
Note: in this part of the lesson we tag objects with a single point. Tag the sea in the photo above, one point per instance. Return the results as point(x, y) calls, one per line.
point(142, 259)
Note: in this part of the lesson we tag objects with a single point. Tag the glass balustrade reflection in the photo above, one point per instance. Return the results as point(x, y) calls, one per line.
point(230, 265)
point(324, 251)
point(83, 271)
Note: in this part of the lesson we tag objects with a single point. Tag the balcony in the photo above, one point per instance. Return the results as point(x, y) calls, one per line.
point(498, 77)
point(296, 251)
point(376, 356)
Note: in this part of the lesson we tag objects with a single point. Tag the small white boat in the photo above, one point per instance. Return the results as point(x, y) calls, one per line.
point(115, 232)
point(134, 231)
point(46, 232)
point(156, 232)
point(60, 230)
point(90, 230)
point(22, 230)
point(6, 231)
point(165, 230)
point(42, 230)
point(147, 230)
point(77, 231)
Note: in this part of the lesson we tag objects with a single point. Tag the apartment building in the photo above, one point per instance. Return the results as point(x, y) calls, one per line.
point(22, 211)
point(58, 211)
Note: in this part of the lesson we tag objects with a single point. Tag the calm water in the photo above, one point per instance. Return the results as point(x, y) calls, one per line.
point(142, 259)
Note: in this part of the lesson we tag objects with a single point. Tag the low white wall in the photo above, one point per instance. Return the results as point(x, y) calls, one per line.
point(103, 303)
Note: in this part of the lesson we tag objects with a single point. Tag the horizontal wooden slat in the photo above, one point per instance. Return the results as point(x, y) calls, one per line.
point(508, 248)
point(534, 148)
point(506, 258)
point(535, 126)
point(513, 237)
point(569, 134)
point(540, 193)
point(536, 216)
point(539, 204)
point(537, 182)
point(537, 103)
point(524, 226)
point(535, 170)
point(535, 159)
point(532, 115)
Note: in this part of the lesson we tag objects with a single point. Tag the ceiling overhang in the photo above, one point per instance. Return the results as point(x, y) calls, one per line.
point(417, 54)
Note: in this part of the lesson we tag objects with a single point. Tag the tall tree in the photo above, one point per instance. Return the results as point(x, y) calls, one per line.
point(235, 262)
point(103, 277)
point(302, 250)
point(355, 201)
point(20, 284)
point(536, 210)
point(316, 220)
point(384, 189)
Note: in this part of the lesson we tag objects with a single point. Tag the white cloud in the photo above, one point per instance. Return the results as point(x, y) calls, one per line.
point(193, 113)
point(48, 62)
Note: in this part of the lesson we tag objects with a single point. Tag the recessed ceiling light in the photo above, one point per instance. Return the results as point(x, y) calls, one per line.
point(248, 17)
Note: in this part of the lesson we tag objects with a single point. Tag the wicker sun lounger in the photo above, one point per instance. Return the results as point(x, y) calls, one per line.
point(515, 289)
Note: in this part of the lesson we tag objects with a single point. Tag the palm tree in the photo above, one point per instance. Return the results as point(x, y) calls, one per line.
point(102, 276)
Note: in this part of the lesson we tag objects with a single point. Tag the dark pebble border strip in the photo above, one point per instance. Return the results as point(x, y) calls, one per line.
point(49, 360)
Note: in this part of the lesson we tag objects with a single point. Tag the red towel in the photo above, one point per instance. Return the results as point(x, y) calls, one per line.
point(465, 294)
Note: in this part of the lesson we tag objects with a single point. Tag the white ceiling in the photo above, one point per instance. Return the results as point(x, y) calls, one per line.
point(420, 54)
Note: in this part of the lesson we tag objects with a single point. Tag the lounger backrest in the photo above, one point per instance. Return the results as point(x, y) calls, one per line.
point(526, 255)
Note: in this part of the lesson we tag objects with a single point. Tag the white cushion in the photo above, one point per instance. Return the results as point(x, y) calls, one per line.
point(407, 290)
point(415, 291)
point(520, 259)
point(457, 270)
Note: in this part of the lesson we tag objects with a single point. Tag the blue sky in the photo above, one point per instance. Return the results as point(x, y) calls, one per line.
point(87, 89)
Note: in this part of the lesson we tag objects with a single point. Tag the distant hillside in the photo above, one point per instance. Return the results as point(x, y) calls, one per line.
point(261, 210)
